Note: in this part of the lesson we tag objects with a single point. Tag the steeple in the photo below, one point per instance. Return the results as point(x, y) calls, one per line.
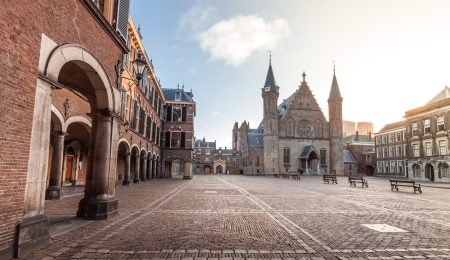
point(335, 93)
point(270, 84)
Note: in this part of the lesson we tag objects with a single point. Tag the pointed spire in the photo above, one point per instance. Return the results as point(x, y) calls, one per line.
point(270, 79)
point(304, 77)
point(335, 93)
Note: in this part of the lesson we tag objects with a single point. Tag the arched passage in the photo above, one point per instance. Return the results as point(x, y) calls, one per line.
point(135, 164)
point(143, 166)
point(123, 163)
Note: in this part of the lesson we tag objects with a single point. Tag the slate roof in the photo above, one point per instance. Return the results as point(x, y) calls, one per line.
point(306, 151)
point(169, 94)
point(393, 126)
point(255, 140)
point(204, 144)
point(270, 79)
point(444, 94)
point(348, 157)
point(335, 93)
point(282, 108)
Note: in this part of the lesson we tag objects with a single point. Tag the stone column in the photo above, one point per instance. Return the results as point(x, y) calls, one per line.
point(136, 170)
point(126, 179)
point(149, 169)
point(54, 190)
point(144, 169)
point(99, 200)
point(153, 169)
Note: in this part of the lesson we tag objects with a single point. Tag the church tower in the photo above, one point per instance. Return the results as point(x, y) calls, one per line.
point(335, 126)
point(270, 93)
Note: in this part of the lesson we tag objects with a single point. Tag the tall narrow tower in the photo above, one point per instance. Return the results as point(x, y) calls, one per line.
point(335, 121)
point(270, 97)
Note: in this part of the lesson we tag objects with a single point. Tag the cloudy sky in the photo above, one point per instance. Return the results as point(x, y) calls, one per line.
point(390, 55)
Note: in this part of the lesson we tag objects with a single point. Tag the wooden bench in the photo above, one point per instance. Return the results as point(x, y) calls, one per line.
point(295, 176)
point(359, 179)
point(327, 178)
point(285, 175)
point(405, 183)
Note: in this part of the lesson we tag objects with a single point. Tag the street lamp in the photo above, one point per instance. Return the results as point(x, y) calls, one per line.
point(139, 66)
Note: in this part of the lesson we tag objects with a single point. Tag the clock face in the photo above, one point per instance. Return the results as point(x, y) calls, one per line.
point(304, 128)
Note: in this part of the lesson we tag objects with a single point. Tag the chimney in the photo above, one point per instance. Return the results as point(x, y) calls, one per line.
point(370, 136)
point(357, 136)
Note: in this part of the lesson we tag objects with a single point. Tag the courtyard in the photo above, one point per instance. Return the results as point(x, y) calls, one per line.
point(229, 216)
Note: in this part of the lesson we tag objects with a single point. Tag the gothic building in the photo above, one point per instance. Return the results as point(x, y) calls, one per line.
point(293, 136)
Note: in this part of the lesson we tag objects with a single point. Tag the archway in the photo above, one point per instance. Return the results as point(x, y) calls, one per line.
point(123, 163)
point(429, 172)
point(77, 140)
point(443, 172)
point(416, 171)
point(154, 167)
point(148, 174)
point(143, 166)
point(219, 169)
point(369, 170)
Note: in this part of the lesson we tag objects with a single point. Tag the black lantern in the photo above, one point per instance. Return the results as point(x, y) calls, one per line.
point(139, 65)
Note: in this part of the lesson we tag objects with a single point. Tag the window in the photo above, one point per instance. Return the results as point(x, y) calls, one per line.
point(391, 138)
point(392, 166)
point(136, 116)
point(257, 161)
point(175, 139)
point(398, 137)
point(176, 114)
point(123, 103)
point(416, 151)
point(379, 153)
point(415, 129)
point(444, 170)
point(323, 156)
point(398, 152)
point(377, 140)
point(385, 152)
point(142, 117)
point(386, 167)
point(428, 149)
point(404, 135)
point(286, 155)
point(380, 167)
point(404, 150)
point(442, 147)
point(99, 4)
point(440, 123)
point(234, 160)
point(426, 126)
point(368, 158)
point(391, 151)
point(384, 139)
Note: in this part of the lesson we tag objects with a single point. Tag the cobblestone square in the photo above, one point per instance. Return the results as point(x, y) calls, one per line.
point(255, 217)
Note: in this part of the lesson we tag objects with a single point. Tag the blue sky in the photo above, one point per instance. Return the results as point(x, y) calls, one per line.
point(391, 56)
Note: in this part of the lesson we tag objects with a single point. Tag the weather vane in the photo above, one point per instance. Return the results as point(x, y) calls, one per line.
point(270, 56)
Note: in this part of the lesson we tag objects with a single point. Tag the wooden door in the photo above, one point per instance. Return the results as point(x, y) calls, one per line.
point(69, 165)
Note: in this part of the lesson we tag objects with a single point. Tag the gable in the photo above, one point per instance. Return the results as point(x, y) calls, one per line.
point(304, 101)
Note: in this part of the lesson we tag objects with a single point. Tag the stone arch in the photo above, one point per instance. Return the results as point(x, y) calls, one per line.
point(124, 140)
point(83, 120)
point(60, 56)
point(57, 119)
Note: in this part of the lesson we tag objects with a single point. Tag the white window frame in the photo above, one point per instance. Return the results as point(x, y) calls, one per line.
point(442, 147)
point(440, 122)
point(428, 149)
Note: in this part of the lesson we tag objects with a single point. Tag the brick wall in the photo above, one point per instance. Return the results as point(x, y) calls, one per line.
point(21, 25)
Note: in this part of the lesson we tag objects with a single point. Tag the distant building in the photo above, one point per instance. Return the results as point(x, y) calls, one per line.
point(362, 148)
point(428, 130)
point(350, 128)
point(294, 135)
point(209, 160)
point(391, 147)
point(178, 132)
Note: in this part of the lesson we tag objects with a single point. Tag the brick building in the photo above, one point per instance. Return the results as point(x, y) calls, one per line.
point(391, 150)
point(178, 132)
point(362, 148)
point(427, 129)
point(293, 135)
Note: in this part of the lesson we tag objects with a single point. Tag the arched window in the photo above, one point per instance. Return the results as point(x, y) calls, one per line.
point(319, 129)
point(443, 170)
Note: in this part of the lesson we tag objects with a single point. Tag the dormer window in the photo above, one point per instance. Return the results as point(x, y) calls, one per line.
point(177, 95)
point(267, 89)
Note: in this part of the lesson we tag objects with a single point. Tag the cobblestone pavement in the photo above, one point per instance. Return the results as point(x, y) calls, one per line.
point(245, 217)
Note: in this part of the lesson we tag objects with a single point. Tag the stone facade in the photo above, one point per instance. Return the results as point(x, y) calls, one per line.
point(362, 148)
point(293, 136)
point(427, 131)
point(211, 160)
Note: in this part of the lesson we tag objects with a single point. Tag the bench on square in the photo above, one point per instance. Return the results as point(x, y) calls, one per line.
point(276, 175)
point(295, 176)
point(405, 183)
point(359, 179)
point(327, 178)
point(285, 175)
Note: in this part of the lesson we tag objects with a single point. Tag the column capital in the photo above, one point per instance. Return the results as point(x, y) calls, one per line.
point(58, 133)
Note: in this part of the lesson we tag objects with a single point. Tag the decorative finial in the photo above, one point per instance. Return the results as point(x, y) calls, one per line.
point(178, 86)
point(304, 76)
point(270, 57)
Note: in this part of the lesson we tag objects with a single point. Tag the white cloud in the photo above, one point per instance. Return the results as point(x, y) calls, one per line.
point(236, 39)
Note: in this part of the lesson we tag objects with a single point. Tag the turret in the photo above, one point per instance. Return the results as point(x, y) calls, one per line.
point(335, 127)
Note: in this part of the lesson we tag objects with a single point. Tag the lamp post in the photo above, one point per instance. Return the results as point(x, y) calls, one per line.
point(139, 65)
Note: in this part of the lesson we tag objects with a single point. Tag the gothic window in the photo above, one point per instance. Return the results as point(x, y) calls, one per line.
point(319, 130)
point(323, 156)
point(286, 155)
